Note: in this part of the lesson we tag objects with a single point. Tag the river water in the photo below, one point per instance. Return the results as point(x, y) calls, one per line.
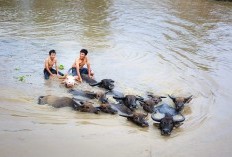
point(180, 47)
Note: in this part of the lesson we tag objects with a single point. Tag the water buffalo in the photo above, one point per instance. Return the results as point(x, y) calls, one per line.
point(129, 101)
point(167, 117)
point(105, 83)
point(148, 104)
point(180, 102)
point(59, 102)
point(137, 118)
point(101, 96)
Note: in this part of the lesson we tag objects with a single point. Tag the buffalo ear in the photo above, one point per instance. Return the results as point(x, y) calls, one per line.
point(188, 99)
point(156, 125)
point(145, 115)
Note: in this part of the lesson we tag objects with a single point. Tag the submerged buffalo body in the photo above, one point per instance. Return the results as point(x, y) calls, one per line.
point(129, 101)
point(87, 79)
point(167, 117)
point(105, 83)
point(101, 96)
point(180, 102)
point(59, 102)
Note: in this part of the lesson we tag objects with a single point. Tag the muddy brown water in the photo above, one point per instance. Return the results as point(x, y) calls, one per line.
point(180, 47)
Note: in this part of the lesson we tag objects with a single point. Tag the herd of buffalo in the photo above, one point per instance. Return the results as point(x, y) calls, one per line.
point(135, 108)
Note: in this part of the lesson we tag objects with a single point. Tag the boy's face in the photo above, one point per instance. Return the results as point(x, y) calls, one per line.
point(53, 55)
point(82, 55)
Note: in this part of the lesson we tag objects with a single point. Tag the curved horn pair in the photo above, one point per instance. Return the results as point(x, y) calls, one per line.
point(175, 118)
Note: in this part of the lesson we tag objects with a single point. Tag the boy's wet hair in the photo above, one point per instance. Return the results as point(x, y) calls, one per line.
point(84, 51)
point(52, 51)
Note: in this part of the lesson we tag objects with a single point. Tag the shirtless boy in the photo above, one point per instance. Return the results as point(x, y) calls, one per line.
point(78, 66)
point(48, 66)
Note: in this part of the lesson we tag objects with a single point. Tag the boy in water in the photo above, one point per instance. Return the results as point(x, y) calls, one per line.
point(48, 66)
point(78, 66)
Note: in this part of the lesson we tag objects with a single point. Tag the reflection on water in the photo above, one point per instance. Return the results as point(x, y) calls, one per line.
point(165, 47)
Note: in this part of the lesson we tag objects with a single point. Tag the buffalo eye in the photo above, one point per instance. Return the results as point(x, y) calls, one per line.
point(136, 118)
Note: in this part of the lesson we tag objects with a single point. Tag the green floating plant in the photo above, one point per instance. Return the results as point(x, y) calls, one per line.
point(17, 69)
point(21, 78)
point(61, 67)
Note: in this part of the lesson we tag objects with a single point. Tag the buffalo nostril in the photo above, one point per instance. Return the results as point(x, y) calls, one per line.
point(96, 112)
point(145, 124)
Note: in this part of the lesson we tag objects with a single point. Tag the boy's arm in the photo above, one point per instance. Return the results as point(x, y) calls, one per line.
point(47, 68)
point(56, 67)
point(88, 67)
point(78, 71)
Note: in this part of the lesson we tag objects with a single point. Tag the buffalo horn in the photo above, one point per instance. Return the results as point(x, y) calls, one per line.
point(188, 99)
point(178, 118)
point(126, 115)
point(107, 91)
point(95, 84)
point(150, 95)
point(173, 98)
point(117, 97)
point(157, 118)
point(139, 97)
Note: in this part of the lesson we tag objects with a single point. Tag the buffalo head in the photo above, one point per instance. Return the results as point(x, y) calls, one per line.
point(148, 105)
point(86, 107)
point(105, 83)
point(129, 100)
point(107, 108)
point(167, 122)
point(137, 118)
point(180, 102)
